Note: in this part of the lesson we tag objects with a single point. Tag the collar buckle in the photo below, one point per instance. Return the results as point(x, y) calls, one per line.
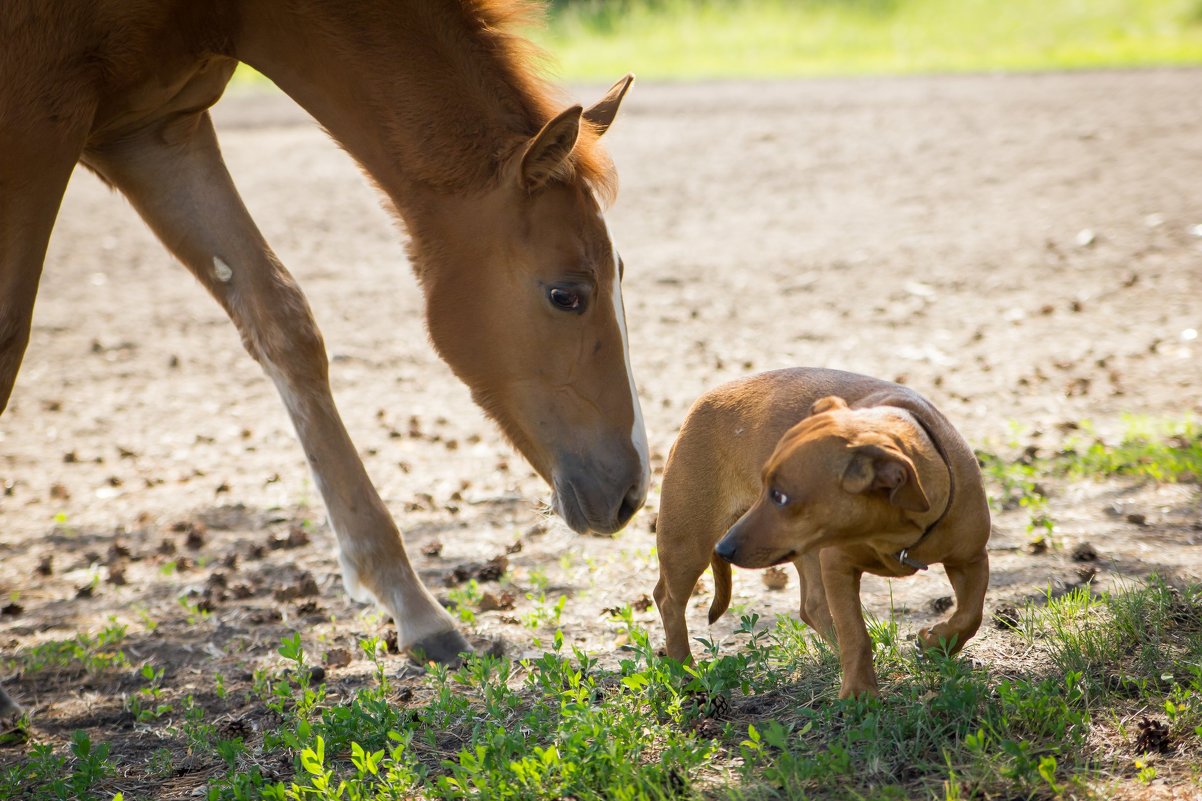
point(903, 556)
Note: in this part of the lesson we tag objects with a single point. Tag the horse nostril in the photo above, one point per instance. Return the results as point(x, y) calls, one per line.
point(626, 511)
point(630, 504)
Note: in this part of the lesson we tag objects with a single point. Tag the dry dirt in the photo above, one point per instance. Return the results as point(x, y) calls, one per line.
point(1025, 250)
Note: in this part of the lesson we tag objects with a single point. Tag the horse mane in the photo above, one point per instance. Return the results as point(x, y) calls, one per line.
point(521, 65)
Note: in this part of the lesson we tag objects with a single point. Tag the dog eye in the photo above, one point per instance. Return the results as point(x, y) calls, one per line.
point(779, 498)
point(565, 299)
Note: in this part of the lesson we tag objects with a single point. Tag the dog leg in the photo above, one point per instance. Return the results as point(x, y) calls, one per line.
point(969, 582)
point(842, 581)
point(815, 610)
point(678, 574)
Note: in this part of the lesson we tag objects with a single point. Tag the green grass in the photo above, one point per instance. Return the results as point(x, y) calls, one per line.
point(600, 40)
point(1163, 451)
point(688, 39)
point(82, 653)
point(754, 718)
point(1080, 695)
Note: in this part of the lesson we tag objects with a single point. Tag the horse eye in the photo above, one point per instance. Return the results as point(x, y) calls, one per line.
point(779, 498)
point(564, 299)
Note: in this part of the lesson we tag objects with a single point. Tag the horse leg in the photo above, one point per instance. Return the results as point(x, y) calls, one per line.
point(33, 176)
point(174, 175)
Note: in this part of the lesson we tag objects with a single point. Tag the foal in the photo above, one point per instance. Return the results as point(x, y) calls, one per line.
point(499, 187)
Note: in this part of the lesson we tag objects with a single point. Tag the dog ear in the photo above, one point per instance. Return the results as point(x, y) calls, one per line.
point(874, 468)
point(829, 403)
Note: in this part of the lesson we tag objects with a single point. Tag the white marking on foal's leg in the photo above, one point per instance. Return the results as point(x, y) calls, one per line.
point(222, 271)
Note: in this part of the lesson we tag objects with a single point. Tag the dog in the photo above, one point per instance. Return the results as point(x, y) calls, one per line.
point(840, 474)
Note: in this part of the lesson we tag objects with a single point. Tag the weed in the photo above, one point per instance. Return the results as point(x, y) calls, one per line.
point(193, 611)
point(49, 776)
point(83, 652)
point(464, 598)
point(544, 613)
point(146, 704)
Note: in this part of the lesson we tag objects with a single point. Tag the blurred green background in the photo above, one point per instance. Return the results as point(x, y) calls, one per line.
point(682, 39)
point(598, 40)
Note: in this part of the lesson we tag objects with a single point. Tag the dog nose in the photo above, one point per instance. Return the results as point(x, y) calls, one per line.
point(726, 549)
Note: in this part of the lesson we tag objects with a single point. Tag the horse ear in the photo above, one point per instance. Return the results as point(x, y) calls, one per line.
point(601, 114)
point(874, 468)
point(550, 148)
point(829, 403)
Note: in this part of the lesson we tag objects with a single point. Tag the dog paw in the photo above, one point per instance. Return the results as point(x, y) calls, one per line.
point(858, 691)
point(940, 638)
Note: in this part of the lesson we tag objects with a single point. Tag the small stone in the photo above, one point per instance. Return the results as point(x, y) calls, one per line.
point(307, 586)
point(432, 548)
point(1006, 617)
point(195, 539)
point(775, 578)
point(297, 537)
point(1135, 518)
point(942, 604)
point(338, 657)
point(490, 602)
point(493, 569)
point(390, 642)
point(1084, 552)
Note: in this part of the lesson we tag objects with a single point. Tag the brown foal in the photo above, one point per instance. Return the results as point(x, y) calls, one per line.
point(499, 187)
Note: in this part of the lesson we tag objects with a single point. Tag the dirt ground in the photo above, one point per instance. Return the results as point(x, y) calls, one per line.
point(1025, 250)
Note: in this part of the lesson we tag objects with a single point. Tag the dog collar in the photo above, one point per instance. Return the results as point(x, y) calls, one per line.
point(903, 555)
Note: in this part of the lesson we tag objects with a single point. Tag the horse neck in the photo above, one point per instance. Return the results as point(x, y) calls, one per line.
point(413, 90)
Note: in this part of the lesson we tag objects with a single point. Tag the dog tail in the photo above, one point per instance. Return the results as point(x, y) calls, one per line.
point(721, 570)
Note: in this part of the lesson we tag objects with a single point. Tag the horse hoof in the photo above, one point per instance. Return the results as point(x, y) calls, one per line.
point(445, 648)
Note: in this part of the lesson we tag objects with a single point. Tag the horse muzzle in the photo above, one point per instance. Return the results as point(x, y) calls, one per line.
point(599, 497)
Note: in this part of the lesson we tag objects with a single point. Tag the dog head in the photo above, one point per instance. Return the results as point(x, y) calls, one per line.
point(841, 476)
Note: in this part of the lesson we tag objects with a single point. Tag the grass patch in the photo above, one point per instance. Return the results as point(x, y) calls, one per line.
point(686, 39)
point(83, 653)
point(1160, 451)
point(1163, 451)
point(1056, 713)
point(599, 40)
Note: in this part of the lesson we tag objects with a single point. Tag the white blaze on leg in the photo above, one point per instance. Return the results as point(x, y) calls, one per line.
point(222, 271)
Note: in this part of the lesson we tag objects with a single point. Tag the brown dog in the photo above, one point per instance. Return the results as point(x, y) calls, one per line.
point(840, 474)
